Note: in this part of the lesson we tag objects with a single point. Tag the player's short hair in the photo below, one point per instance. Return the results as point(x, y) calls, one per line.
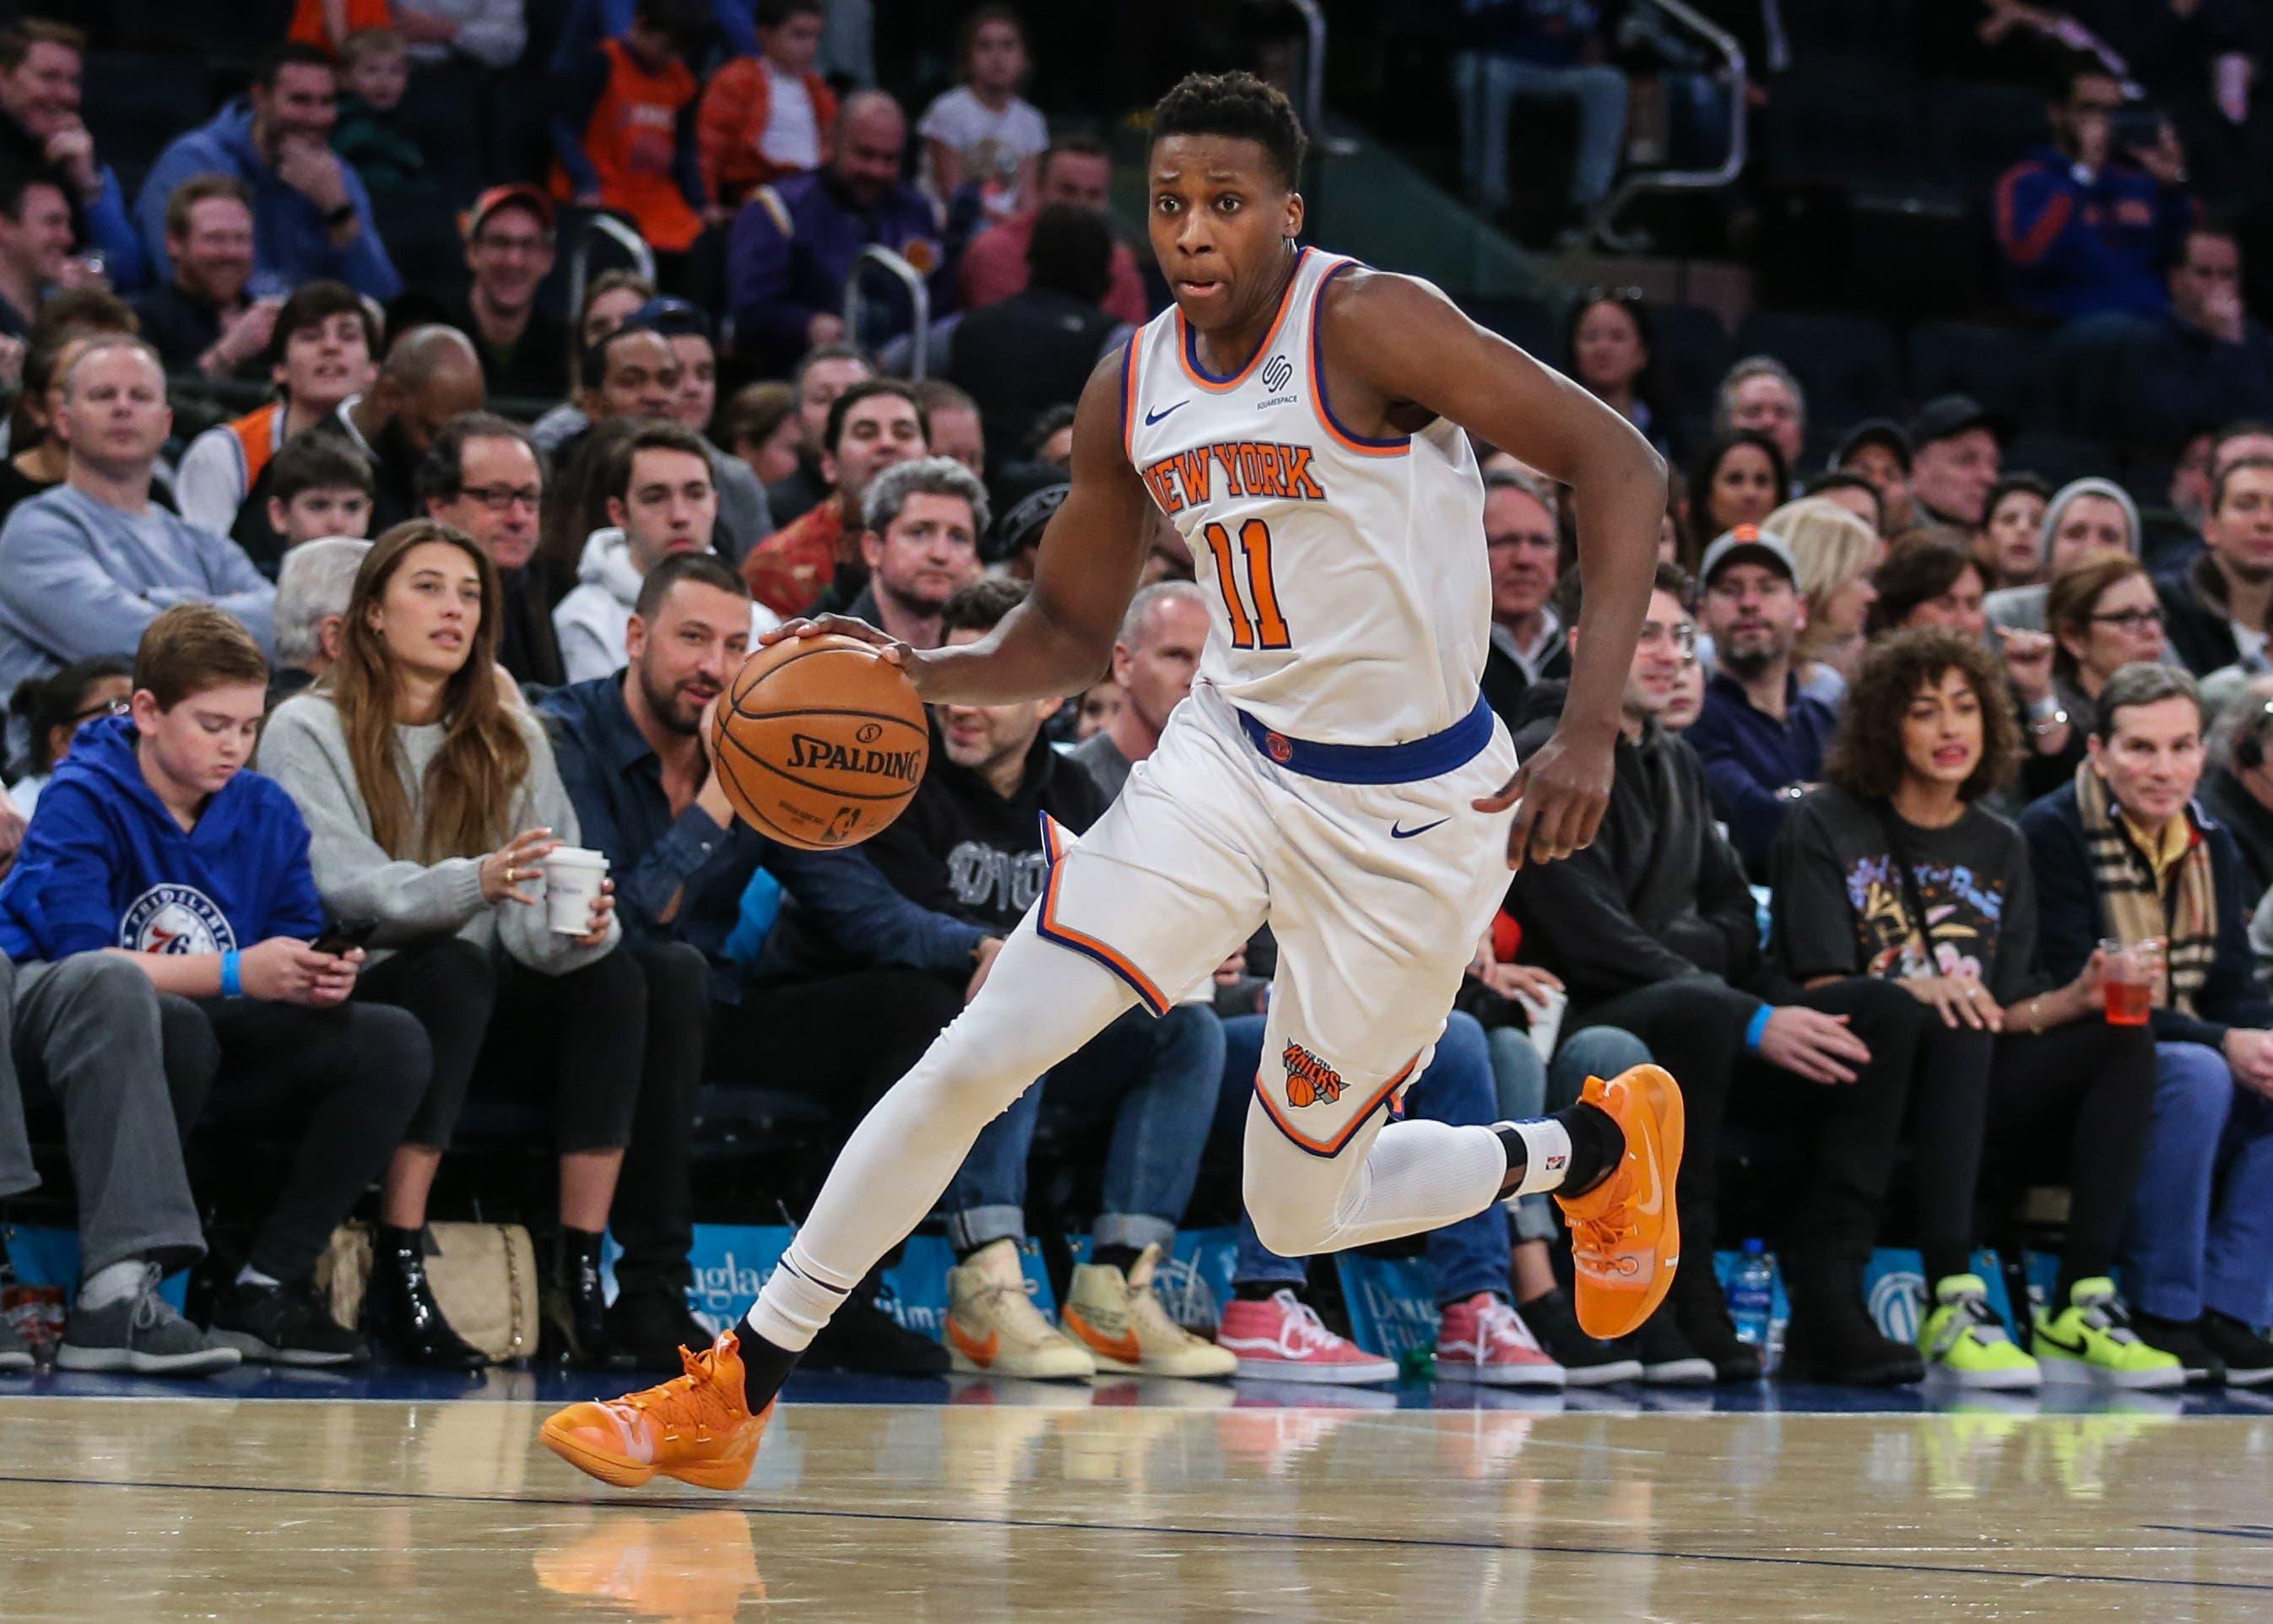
point(1238, 105)
point(980, 606)
point(702, 568)
point(868, 389)
point(317, 462)
point(192, 647)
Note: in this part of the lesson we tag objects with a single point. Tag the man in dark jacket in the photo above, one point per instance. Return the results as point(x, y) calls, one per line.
point(2238, 790)
point(1653, 929)
point(971, 847)
point(2215, 608)
point(2123, 853)
point(1524, 550)
point(484, 476)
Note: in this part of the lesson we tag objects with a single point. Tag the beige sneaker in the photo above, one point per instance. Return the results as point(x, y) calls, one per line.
point(1120, 1319)
point(993, 1328)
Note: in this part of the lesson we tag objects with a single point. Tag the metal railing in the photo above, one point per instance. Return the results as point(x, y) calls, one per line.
point(1314, 82)
point(1734, 69)
point(597, 225)
point(918, 303)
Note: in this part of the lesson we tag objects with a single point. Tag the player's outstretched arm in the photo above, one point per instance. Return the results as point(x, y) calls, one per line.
point(1400, 353)
point(1059, 641)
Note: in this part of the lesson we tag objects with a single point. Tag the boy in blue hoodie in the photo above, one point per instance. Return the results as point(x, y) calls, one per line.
point(160, 849)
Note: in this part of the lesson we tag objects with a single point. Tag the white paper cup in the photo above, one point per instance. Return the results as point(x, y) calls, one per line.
point(572, 885)
point(1546, 1014)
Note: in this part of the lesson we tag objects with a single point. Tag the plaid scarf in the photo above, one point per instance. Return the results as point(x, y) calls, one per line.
point(2131, 903)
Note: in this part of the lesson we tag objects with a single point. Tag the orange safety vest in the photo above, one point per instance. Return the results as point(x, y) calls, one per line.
point(309, 29)
point(632, 144)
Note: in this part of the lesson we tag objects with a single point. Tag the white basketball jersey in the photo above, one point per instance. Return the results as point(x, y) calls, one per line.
point(1347, 584)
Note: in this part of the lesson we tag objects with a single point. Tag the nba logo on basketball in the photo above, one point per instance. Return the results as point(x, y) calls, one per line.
point(1308, 1079)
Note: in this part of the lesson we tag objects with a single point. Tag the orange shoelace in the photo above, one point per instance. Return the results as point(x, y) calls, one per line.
point(697, 1399)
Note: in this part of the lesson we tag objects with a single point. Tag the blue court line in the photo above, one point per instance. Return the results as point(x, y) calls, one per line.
point(1283, 1536)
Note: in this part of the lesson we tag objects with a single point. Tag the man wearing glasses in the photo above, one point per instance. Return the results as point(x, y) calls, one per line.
point(2089, 225)
point(484, 476)
point(1761, 739)
point(1525, 550)
point(509, 253)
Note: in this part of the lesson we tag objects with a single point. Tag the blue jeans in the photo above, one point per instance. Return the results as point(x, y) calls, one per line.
point(1158, 1078)
point(1489, 88)
point(2210, 1134)
point(1529, 1088)
point(1464, 1258)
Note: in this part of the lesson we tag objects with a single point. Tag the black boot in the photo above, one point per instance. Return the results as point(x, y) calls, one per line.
point(651, 1323)
point(1832, 1338)
point(1701, 1309)
point(398, 1311)
point(863, 1337)
point(575, 1310)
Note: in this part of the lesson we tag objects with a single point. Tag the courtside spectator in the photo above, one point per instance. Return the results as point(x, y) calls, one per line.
point(1760, 393)
point(919, 543)
point(1879, 450)
point(1035, 349)
point(2238, 790)
point(323, 350)
point(1929, 581)
point(1740, 479)
point(524, 350)
point(203, 320)
point(2088, 226)
point(760, 426)
point(2009, 546)
point(1836, 552)
point(41, 65)
point(40, 459)
point(371, 134)
point(615, 105)
point(2083, 516)
point(1653, 931)
point(36, 235)
point(1608, 347)
point(1523, 549)
point(628, 372)
point(871, 427)
point(54, 707)
point(1850, 492)
point(432, 805)
point(1893, 870)
point(85, 566)
point(2122, 854)
point(982, 133)
point(1154, 660)
point(311, 215)
point(430, 375)
point(660, 502)
point(1076, 171)
point(1538, 51)
point(318, 487)
point(765, 118)
point(608, 304)
point(744, 519)
point(795, 240)
point(312, 591)
point(2214, 607)
point(485, 476)
point(2103, 614)
point(2204, 360)
point(1958, 449)
point(824, 372)
point(1760, 738)
point(155, 844)
point(952, 425)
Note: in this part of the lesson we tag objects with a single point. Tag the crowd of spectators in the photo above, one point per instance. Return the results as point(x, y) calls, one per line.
point(1924, 753)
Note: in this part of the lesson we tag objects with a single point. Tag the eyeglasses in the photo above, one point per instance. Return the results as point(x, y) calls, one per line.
point(2130, 619)
point(500, 498)
point(1655, 634)
point(108, 707)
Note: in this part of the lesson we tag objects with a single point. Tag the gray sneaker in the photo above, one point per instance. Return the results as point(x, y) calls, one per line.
point(13, 1355)
point(142, 1335)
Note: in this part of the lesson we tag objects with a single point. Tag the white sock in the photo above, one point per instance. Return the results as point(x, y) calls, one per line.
point(251, 1276)
point(112, 1282)
point(1547, 1154)
point(794, 1304)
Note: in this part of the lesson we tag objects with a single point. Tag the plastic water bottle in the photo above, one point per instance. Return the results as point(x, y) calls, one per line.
point(1752, 1298)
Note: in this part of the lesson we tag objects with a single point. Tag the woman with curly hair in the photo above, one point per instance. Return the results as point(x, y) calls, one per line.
point(1893, 870)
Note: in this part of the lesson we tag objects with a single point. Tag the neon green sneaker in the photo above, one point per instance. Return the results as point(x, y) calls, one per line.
point(1965, 1341)
point(2092, 1338)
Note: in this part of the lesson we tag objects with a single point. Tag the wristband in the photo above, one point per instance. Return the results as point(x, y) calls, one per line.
point(232, 982)
point(1757, 1027)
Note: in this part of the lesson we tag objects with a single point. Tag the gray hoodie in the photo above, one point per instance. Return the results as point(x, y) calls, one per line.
point(590, 622)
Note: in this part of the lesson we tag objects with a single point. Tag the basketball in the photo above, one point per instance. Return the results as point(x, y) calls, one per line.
point(819, 742)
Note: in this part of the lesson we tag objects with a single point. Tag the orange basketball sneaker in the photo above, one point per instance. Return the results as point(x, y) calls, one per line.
point(694, 1427)
point(1625, 1236)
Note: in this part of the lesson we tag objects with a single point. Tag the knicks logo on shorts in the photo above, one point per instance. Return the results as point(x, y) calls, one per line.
point(175, 918)
point(1308, 1079)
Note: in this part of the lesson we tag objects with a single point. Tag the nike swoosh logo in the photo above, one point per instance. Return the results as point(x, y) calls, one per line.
point(1151, 417)
point(1124, 1346)
point(977, 1352)
point(1399, 832)
point(2076, 1347)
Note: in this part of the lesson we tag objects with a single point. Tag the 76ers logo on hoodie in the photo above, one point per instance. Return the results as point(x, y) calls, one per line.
point(175, 918)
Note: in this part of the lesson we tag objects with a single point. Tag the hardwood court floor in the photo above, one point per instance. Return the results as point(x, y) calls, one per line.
point(1140, 1504)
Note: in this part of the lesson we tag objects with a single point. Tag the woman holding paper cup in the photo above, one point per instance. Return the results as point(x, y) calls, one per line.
point(1893, 869)
point(436, 814)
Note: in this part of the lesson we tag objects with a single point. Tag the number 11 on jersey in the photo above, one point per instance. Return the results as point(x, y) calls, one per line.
point(1265, 627)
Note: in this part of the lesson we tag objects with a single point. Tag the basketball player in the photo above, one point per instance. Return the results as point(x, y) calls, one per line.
point(1304, 422)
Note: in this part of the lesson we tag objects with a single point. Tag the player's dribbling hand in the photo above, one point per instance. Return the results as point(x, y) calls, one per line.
point(841, 625)
point(1559, 796)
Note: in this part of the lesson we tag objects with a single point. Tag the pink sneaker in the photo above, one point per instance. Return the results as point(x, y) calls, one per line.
point(1284, 1340)
point(1483, 1340)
